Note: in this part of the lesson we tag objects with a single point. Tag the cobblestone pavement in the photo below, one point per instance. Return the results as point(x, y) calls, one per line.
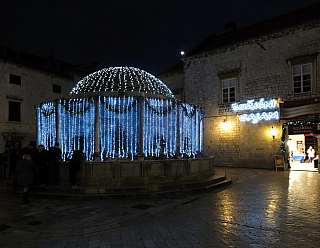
point(262, 209)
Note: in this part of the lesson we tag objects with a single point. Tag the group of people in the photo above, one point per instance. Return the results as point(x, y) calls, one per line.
point(37, 166)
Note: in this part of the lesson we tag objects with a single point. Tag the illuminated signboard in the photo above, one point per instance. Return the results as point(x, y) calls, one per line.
point(257, 105)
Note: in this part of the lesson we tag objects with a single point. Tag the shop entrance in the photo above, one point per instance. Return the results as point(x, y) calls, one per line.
point(298, 145)
point(311, 141)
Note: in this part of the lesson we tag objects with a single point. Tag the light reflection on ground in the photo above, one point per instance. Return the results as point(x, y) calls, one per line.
point(282, 205)
point(264, 208)
point(302, 167)
point(303, 192)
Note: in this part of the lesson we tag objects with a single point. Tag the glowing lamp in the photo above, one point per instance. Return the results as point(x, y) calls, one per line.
point(273, 132)
point(225, 125)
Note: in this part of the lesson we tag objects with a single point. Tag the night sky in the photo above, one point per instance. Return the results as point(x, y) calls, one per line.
point(147, 34)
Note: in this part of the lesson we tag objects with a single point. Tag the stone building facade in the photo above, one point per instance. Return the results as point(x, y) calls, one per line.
point(236, 77)
point(25, 81)
point(174, 76)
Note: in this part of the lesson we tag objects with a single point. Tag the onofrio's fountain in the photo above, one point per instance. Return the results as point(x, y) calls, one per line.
point(130, 128)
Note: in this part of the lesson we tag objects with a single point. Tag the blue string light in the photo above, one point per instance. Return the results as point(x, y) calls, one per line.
point(119, 118)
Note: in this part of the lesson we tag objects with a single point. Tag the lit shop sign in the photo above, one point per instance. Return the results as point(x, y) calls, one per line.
point(257, 105)
point(252, 105)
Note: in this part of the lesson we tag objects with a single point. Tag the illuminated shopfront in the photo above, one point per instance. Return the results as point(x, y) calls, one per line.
point(302, 120)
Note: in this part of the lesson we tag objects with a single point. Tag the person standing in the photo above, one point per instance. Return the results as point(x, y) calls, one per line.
point(30, 150)
point(25, 174)
point(41, 165)
point(2, 161)
point(310, 154)
point(54, 157)
point(7, 154)
point(74, 166)
point(12, 168)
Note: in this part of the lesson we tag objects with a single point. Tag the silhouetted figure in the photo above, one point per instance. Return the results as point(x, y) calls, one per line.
point(32, 151)
point(25, 171)
point(74, 166)
point(41, 165)
point(2, 161)
point(54, 157)
point(7, 154)
point(14, 157)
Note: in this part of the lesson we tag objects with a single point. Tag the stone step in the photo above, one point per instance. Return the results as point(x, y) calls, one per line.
point(120, 192)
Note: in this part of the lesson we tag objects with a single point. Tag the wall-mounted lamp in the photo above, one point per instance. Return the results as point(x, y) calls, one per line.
point(273, 132)
point(224, 124)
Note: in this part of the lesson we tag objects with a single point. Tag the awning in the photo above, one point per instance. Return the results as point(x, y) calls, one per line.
point(300, 110)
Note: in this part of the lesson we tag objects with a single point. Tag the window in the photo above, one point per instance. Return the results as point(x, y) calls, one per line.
point(13, 79)
point(302, 78)
point(14, 111)
point(228, 90)
point(229, 86)
point(302, 73)
point(56, 89)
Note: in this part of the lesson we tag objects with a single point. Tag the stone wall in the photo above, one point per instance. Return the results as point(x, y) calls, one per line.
point(263, 69)
point(36, 87)
point(175, 82)
point(139, 172)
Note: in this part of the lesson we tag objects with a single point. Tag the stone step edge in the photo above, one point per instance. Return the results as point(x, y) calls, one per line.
point(113, 190)
point(136, 194)
point(167, 193)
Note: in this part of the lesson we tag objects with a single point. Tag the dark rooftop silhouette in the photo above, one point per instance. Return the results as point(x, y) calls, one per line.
point(260, 29)
point(48, 65)
point(234, 36)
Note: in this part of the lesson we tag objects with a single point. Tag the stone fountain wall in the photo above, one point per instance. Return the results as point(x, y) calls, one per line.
point(117, 172)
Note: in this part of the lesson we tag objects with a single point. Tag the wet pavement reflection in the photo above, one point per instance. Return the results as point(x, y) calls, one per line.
point(277, 209)
point(262, 209)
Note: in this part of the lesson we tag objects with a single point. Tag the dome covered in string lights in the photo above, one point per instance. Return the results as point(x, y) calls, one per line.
point(121, 112)
point(122, 79)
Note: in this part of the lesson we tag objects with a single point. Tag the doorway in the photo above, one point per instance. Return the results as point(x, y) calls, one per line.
point(298, 145)
point(311, 141)
point(14, 144)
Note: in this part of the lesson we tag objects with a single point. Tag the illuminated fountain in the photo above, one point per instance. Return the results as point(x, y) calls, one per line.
point(121, 114)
